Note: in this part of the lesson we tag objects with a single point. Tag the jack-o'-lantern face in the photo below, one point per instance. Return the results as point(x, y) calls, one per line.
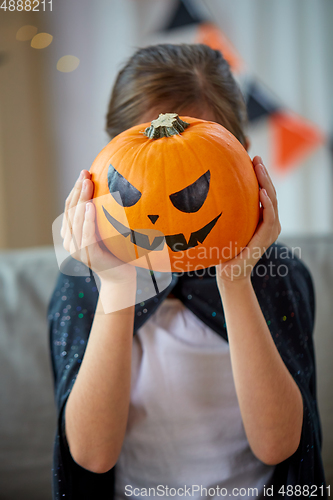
point(188, 200)
point(193, 194)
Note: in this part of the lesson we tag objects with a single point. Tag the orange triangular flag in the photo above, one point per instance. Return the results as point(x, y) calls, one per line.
point(211, 35)
point(293, 138)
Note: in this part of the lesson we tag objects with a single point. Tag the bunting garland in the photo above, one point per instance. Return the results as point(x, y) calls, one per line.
point(211, 35)
point(184, 15)
point(291, 137)
point(259, 104)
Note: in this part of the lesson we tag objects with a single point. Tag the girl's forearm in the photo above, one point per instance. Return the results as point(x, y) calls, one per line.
point(97, 407)
point(270, 401)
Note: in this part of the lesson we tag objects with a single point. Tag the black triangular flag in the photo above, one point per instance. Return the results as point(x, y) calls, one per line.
point(184, 15)
point(258, 103)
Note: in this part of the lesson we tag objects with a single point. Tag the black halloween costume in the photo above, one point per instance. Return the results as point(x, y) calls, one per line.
point(286, 298)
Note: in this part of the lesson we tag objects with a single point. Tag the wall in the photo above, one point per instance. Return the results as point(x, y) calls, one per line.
point(27, 163)
point(52, 123)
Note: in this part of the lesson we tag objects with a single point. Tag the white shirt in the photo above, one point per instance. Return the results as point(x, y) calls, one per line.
point(184, 426)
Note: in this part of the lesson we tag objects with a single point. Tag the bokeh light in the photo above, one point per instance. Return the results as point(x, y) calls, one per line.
point(66, 64)
point(27, 32)
point(41, 40)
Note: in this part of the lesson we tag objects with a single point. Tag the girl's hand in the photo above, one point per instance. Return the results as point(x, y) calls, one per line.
point(78, 233)
point(266, 233)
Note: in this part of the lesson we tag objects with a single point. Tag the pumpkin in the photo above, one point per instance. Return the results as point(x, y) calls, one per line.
point(178, 194)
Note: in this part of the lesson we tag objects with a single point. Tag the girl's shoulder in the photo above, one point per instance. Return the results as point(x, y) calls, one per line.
point(284, 263)
point(76, 287)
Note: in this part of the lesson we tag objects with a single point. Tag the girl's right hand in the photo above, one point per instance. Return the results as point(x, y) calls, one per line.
point(79, 234)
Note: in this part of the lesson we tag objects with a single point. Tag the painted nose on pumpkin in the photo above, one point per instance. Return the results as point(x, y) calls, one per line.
point(153, 218)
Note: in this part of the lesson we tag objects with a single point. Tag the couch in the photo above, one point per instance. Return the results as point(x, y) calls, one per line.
point(28, 414)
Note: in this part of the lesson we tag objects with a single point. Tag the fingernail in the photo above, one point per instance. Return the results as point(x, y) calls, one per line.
point(261, 161)
point(84, 186)
point(88, 207)
point(264, 191)
point(81, 175)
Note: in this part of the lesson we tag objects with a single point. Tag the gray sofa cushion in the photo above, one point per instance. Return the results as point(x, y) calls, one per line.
point(27, 417)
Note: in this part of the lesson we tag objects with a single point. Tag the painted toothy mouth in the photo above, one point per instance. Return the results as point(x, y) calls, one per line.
point(176, 242)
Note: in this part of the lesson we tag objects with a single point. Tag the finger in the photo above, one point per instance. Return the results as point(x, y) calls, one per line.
point(70, 214)
point(84, 174)
point(64, 225)
point(71, 208)
point(266, 183)
point(273, 194)
point(258, 160)
point(272, 220)
point(268, 229)
point(88, 234)
point(85, 196)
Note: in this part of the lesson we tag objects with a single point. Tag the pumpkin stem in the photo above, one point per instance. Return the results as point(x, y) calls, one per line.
point(166, 125)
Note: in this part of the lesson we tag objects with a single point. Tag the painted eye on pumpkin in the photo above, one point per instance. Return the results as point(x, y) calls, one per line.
point(128, 193)
point(191, 198)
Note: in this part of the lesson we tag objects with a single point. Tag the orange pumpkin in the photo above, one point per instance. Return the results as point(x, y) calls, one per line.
point(181, 184)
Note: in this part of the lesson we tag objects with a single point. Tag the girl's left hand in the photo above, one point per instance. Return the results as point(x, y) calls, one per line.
point(266, 233)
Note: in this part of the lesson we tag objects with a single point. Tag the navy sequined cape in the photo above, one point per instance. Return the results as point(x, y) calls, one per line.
point(287, 302)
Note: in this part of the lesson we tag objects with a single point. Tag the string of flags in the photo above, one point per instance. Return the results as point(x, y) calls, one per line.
point(292, 137)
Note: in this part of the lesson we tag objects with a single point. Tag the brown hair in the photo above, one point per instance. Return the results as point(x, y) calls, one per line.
point(182, 77)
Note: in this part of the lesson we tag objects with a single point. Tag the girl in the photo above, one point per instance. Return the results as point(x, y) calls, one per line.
point(215, 393)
